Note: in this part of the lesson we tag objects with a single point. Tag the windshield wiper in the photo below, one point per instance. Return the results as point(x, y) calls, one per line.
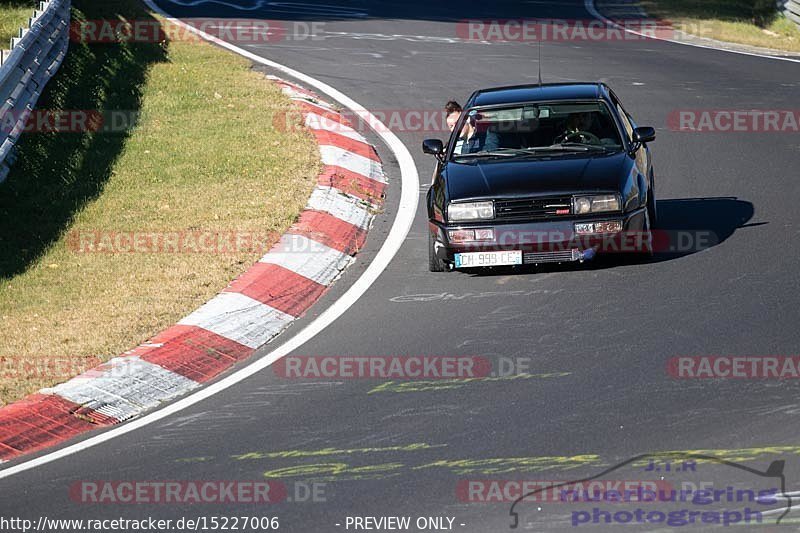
point(501, 152)
point(534, 150)
point(583, 147)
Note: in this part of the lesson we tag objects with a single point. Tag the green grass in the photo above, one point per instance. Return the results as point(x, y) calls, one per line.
point(755, 11)
point(13, 15)
point(203, 155)
point(750, 22)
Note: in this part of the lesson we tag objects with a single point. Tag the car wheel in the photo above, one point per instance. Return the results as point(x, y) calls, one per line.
point(434, 263)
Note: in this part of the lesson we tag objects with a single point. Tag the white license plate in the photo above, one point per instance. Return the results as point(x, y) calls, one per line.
point(486, 259)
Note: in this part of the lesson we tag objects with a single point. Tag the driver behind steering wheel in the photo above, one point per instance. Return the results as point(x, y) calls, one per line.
point(579, 129)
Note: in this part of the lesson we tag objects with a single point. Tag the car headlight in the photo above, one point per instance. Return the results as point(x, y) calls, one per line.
point(598, 203)
point(471, 211)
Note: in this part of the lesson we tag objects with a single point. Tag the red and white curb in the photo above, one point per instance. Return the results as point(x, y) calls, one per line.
point(249, 313)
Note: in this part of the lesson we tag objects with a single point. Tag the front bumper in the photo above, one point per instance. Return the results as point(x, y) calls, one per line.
point(552, 241)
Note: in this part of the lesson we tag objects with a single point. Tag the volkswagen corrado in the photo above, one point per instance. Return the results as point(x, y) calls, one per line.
point(540, 174)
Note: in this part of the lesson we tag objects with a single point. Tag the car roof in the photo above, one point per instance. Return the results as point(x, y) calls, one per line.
point(537, 93)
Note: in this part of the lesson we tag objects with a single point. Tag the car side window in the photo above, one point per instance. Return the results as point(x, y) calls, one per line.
point(623, 115)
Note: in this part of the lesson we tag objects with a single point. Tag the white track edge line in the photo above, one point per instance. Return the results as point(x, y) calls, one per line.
point(409, 196)
point(590, 6)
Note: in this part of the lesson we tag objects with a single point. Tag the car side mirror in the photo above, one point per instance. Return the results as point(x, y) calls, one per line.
point(433, 147)
point(644, 134)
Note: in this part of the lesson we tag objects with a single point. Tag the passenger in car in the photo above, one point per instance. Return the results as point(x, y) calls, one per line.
point(472, 136)
point(511, 134)
point(452, 110)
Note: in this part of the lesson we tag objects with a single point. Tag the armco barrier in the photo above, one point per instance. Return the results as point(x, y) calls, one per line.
point(25, 69)
point(790, 8)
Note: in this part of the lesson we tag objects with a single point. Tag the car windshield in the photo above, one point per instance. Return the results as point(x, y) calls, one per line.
point(532, 129)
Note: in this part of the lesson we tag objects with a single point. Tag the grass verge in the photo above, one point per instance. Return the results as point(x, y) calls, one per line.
point(203, 155)
point(13, 15)
point(749, 22)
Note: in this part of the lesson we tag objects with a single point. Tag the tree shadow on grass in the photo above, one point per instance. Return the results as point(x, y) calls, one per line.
point(58, 173)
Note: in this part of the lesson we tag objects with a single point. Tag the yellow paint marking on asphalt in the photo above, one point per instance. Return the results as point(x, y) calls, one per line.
point(335, 471)
point(448, 384)
point(733, 455)
point(288, 454)
point(504, 465)
point(501, 465)
point(346, 472)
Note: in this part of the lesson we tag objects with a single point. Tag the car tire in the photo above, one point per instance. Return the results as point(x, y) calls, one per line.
point(434, 263)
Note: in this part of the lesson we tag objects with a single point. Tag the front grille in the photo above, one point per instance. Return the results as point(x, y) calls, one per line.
point(533, 208)
point(560, 256)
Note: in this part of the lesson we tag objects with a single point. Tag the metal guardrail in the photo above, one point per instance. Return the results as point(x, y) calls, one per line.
point(790, 8)
point(25, 69)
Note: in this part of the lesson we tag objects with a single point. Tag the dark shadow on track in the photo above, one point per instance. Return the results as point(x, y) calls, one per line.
point(326, 11)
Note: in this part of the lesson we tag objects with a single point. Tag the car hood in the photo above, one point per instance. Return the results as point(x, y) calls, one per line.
point(498, 178)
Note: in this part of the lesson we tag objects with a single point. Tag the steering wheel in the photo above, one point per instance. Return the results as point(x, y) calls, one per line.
point(584, 137)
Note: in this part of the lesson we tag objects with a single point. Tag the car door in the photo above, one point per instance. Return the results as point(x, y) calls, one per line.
point(642, 154)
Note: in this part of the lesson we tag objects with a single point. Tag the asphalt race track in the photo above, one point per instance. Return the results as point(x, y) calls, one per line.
point(595, 339)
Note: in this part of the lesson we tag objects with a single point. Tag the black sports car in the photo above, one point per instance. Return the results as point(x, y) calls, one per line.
point(538, 174)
